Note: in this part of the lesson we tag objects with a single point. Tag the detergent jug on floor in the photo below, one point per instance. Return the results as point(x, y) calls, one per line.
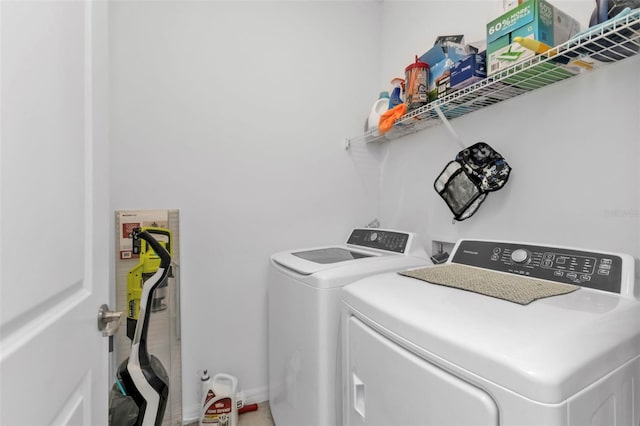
point(219, 400)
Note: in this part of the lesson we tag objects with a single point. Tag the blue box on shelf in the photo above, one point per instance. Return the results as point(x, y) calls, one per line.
point(468, 70)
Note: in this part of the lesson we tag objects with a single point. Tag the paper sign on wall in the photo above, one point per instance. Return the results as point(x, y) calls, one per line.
point(127, 220)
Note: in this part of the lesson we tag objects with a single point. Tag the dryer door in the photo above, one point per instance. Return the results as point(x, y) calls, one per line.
point(388, 385)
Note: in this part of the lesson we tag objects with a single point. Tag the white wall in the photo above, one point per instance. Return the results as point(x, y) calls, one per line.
point(236, 113)
point(573, 147)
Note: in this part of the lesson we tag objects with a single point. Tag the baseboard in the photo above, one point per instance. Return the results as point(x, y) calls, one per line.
point(191, 412)
point(256, 395)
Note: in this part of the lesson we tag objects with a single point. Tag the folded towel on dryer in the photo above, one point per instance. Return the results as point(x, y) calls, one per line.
point(513, 288)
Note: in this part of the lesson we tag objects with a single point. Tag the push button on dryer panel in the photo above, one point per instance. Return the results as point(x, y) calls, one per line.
point(520, 256)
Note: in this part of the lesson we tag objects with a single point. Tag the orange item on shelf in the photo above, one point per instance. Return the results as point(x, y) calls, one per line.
point(390, 116)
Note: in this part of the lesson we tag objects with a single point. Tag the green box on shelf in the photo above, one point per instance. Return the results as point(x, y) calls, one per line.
point(536, 19)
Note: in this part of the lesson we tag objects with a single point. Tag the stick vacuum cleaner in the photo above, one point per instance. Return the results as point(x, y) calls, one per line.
point(148, 264)
point(142, 375)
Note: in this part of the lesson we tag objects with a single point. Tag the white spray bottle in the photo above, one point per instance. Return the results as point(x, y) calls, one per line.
point(207, 394)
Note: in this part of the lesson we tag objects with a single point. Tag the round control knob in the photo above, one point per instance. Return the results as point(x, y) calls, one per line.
point(520, 256)
point(373, 236)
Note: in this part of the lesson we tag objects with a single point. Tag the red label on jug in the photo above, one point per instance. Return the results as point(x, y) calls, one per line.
point(218, 412)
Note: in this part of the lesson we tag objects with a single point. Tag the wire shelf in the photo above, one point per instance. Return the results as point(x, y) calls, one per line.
point(614, 41)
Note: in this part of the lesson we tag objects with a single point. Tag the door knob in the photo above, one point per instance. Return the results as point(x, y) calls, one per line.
point(108, 321)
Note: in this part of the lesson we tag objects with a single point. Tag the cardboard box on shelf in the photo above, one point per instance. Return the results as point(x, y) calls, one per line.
point(536, 19)
point(468, 70)
point(441, 58)
point(507, 5)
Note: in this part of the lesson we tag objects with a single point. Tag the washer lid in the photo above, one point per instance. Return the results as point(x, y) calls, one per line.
point(330, 255)
point(546, 351)
point(314, 260)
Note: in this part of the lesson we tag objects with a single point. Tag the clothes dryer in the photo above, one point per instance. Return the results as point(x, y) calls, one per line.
point(304, 318)
point(415, 352)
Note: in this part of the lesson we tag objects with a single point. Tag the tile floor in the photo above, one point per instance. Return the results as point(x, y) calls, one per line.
point(260, 417)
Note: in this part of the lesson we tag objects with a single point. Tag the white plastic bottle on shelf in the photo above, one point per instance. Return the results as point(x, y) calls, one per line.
point(379, 107)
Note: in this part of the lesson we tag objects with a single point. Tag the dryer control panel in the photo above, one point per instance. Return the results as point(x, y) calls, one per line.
point(380, 239)
point(588, 269)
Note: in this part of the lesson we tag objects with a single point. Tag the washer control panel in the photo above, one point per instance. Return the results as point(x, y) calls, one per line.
point(379, 239)
point(588, 269)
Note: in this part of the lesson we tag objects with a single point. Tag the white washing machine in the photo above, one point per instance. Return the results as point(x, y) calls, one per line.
point(304, 318)
point(418, 353)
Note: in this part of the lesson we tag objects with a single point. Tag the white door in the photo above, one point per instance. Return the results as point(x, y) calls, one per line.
point(54, 212)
